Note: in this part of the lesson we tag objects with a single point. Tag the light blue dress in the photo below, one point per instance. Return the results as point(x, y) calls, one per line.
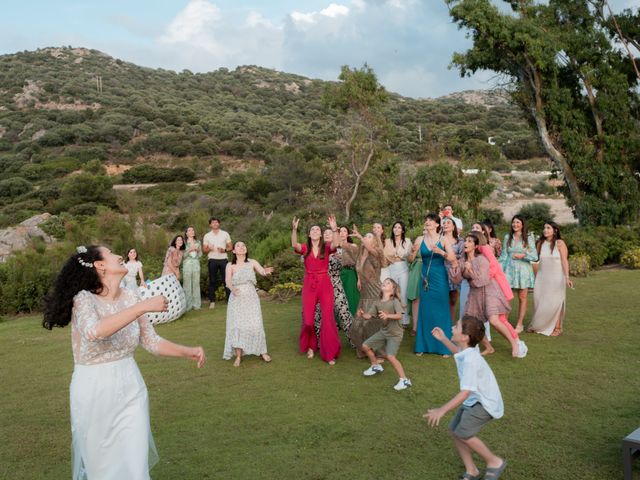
point(434, 304)
point(519, 272)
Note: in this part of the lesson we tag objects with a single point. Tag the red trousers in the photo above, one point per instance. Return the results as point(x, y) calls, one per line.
point(316, 289)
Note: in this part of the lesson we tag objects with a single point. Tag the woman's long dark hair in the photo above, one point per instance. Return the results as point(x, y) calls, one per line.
point(402, 235)
point(455, 227)
point(491, 227)
point(382, 237)
point(320, 245)
point(349, 239)
point(524, 234)
point(435, 218)
point(554, 239)
point(195, 236)
point(126, 260)
point(173, 242)
point(234, 259)
point(72, 279)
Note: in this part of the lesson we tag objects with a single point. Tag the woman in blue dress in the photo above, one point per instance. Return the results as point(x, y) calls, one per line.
point(434, 293)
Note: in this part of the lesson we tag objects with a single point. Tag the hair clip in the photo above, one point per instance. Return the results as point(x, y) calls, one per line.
point(81, 249)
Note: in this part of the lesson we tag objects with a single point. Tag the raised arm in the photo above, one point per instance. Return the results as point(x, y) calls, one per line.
point(294, 234)
point(264, 271)
point(335, 240)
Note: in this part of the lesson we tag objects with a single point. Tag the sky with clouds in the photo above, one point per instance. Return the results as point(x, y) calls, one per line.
point(408, 43)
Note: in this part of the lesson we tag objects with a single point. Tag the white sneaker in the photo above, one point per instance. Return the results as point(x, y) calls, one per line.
point(402, 384)
point(522, 349)
point(373, 370)
point(212, 305)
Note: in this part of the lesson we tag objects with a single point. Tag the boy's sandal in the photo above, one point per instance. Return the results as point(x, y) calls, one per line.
point(468, 476)
point(494, 473)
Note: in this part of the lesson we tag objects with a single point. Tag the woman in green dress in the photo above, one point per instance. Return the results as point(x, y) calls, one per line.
point(191, 270)
point(413, 285)
point(348, 273)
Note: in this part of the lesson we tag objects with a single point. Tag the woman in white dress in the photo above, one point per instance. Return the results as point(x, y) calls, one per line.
point(552, 280)
point(134, 269)
point(396, 250)
point(245, 331)
point(110, 429)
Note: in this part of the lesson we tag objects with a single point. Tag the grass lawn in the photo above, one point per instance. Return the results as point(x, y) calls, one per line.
point(567, 405)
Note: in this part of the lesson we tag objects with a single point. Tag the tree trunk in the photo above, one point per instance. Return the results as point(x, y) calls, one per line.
point(530, 80)
point(359, 173)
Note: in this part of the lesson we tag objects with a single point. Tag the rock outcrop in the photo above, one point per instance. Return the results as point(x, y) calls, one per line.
point(17, 238)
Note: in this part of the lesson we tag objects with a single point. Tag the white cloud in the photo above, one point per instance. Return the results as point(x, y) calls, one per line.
point(408, 43)
point(334, 10)
point(255, 19)
point(193, 23)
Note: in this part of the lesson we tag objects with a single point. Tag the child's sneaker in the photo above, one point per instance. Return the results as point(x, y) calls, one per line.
point(522, 349)
point(402, 384)
point(373, 370)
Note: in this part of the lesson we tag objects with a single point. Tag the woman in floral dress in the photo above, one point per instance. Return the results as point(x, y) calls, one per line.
point(245, 331)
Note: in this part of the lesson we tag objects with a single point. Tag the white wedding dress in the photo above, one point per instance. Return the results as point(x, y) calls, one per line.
point(111, 433)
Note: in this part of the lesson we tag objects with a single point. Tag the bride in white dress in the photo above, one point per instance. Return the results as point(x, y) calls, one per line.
point(245, 331)
point(111, 433)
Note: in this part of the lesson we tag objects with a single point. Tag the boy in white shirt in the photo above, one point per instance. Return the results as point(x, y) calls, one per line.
point(479, 399)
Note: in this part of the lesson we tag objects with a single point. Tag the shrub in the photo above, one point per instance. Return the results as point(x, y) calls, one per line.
point(602, 244)
point(494, 215)
point(631, 258)
point(579, 265)
point(14, 187)
point(536, 214)
point(151, 174)
point(284, 292)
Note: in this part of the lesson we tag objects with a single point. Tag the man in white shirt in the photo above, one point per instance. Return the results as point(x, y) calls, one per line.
point(447, 211)
point(216, 244)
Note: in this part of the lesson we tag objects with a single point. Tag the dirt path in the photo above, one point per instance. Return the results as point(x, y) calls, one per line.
point(559, 209)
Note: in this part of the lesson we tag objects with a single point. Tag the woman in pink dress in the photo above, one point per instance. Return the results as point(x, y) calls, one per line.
point(486, 299)
point(317, 288)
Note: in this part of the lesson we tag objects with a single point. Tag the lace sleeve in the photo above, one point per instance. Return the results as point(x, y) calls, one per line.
point(149, 339)
point(85, 316)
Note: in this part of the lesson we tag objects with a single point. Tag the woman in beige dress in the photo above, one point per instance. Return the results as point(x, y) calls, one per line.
point(552, 280)
point(369, 261)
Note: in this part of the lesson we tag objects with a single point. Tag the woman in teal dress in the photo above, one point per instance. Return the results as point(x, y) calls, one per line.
point(434, 301)
point(518, 251)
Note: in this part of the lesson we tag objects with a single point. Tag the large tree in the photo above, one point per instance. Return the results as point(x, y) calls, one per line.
point(577, 86)
point(360, 98)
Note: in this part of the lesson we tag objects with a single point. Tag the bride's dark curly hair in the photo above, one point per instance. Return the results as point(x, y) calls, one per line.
point(73, 278)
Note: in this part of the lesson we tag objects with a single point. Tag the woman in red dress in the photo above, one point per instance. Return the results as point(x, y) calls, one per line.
point(317, 288)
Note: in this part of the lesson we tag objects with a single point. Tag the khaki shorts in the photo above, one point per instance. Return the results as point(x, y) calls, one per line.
point(379, 340)
point(468, 421)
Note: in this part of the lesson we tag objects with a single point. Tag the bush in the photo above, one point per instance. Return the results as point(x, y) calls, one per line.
point(536, 214)
point(151, 174)
point(494, 215)
point(284, 292)
point(579, 265)
point(631, 258)
point(25, 278)
point(14, 187)
point(603, 245)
